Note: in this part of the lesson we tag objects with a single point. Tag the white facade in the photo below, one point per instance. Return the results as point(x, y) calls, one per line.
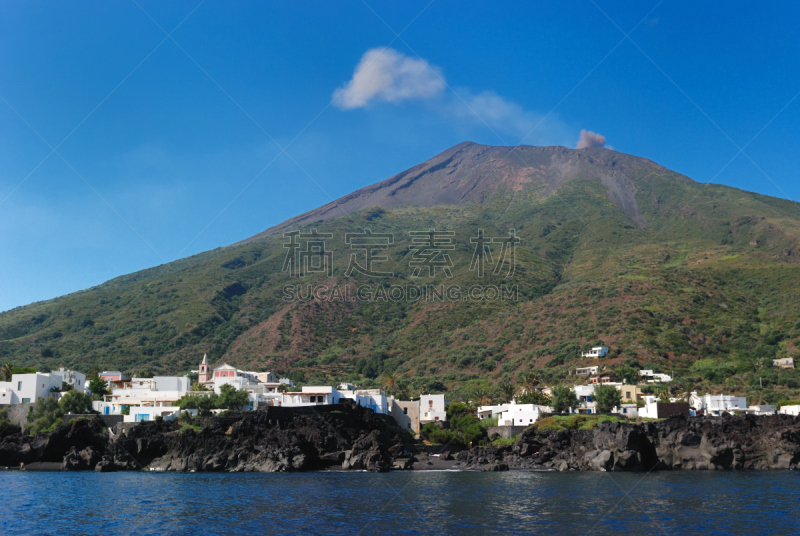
point(784, 363)
point(76, 380)
point(587, 371)
point(597, 351)
point(654, 377)
point(24, 388)
point(432, 408)
point(763, 410)
point(140, 414)
point(159, 391)
point(514, 414)
point(585, 394)
point(717, 404)
point(488, 412)
point(790, 410)
point(628, 410)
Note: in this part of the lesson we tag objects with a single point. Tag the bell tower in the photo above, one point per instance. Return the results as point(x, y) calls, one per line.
point(204, 375)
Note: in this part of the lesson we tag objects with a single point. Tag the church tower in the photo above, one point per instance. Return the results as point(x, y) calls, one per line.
point(204, 374)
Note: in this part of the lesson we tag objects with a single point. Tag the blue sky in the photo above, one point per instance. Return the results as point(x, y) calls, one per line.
point(171, 144)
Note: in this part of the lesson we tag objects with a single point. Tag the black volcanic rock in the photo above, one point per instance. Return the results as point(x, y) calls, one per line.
point(678, 443)
point(270, 440)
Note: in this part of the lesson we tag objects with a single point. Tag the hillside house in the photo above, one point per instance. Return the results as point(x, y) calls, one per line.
point(784, 363)
point(521, 414)
point(596, 352)
point(587, 371)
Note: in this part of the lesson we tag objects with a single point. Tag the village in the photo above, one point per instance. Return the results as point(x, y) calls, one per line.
point(137, 399)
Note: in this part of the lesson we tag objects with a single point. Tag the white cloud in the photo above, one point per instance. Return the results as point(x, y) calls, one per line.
point(389, 76)
point(590, 139)
point(383, 74)
point(507, 119)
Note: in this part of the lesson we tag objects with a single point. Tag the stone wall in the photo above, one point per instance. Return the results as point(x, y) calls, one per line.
point(18, 413)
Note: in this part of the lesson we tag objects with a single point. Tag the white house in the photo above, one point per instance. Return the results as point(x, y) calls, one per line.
point(150, 413)
point(76, 380)
point(790, 410)
point(717, 404)
point(585, 394)
point(628, 410)
point(24, 388)
point(654, 377)
point(596, 351)
point(763, 409)
point(587, 371)
point(158, 391)
point(784, 363)
point(488, 412)
point(521, 414)
point(432, 408)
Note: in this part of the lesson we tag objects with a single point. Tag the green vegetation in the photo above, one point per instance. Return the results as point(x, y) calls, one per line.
point(607, 397)
point(76, 402)
point(563, 399)
point(706, 289)
point(574, 422)
point(464, 427)
point(48, 412)
point(228, 398)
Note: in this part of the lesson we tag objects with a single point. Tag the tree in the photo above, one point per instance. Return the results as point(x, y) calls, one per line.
point(563, 399)
point(43, 416)
point(76, 402)
point(390, 381)
point(607, 397)
point(282, 388)
point(231, 398)
point(529, 382)
point(507, 390)
point(5, 371)
point(534, 397)
point(98, 387)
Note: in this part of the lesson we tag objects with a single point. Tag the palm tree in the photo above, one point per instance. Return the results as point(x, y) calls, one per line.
point(529, 382)
point(390, 381)
point(481, 395)
point(5, 371)
point(688, 388)
point(507, 389)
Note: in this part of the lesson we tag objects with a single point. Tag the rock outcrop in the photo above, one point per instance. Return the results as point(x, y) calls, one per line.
point(677, 443)
point(269, 440)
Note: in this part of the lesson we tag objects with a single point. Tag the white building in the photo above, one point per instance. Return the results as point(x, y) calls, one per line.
point(521, 414)
point(596, 351)
point(654, 377)
point(587, 371)
point(76, 380)
point(432, 408)
point(784, 363)
point(628, 410)
point(585, 394)
point(311, 395)
point(763, 409)
point(158, 391)
point(149, 413)
point(790, 410)
point(717, 404)
point(24, 388)
point(488, 412)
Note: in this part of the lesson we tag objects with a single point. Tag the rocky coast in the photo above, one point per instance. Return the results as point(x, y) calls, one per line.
point(354, 438)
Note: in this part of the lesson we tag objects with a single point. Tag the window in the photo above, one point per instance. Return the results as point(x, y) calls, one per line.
point(628, 395)
point(405, 411)
point(409, 426)
point(26, 400)
point(19, 386)
point(430, 403)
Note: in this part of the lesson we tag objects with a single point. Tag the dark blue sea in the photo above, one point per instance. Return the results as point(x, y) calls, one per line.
point(705, 503)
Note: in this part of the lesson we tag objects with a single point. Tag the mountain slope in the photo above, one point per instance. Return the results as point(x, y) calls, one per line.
point(616, 249)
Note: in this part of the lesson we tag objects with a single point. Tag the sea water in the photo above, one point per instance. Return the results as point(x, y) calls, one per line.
point(400, 503)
